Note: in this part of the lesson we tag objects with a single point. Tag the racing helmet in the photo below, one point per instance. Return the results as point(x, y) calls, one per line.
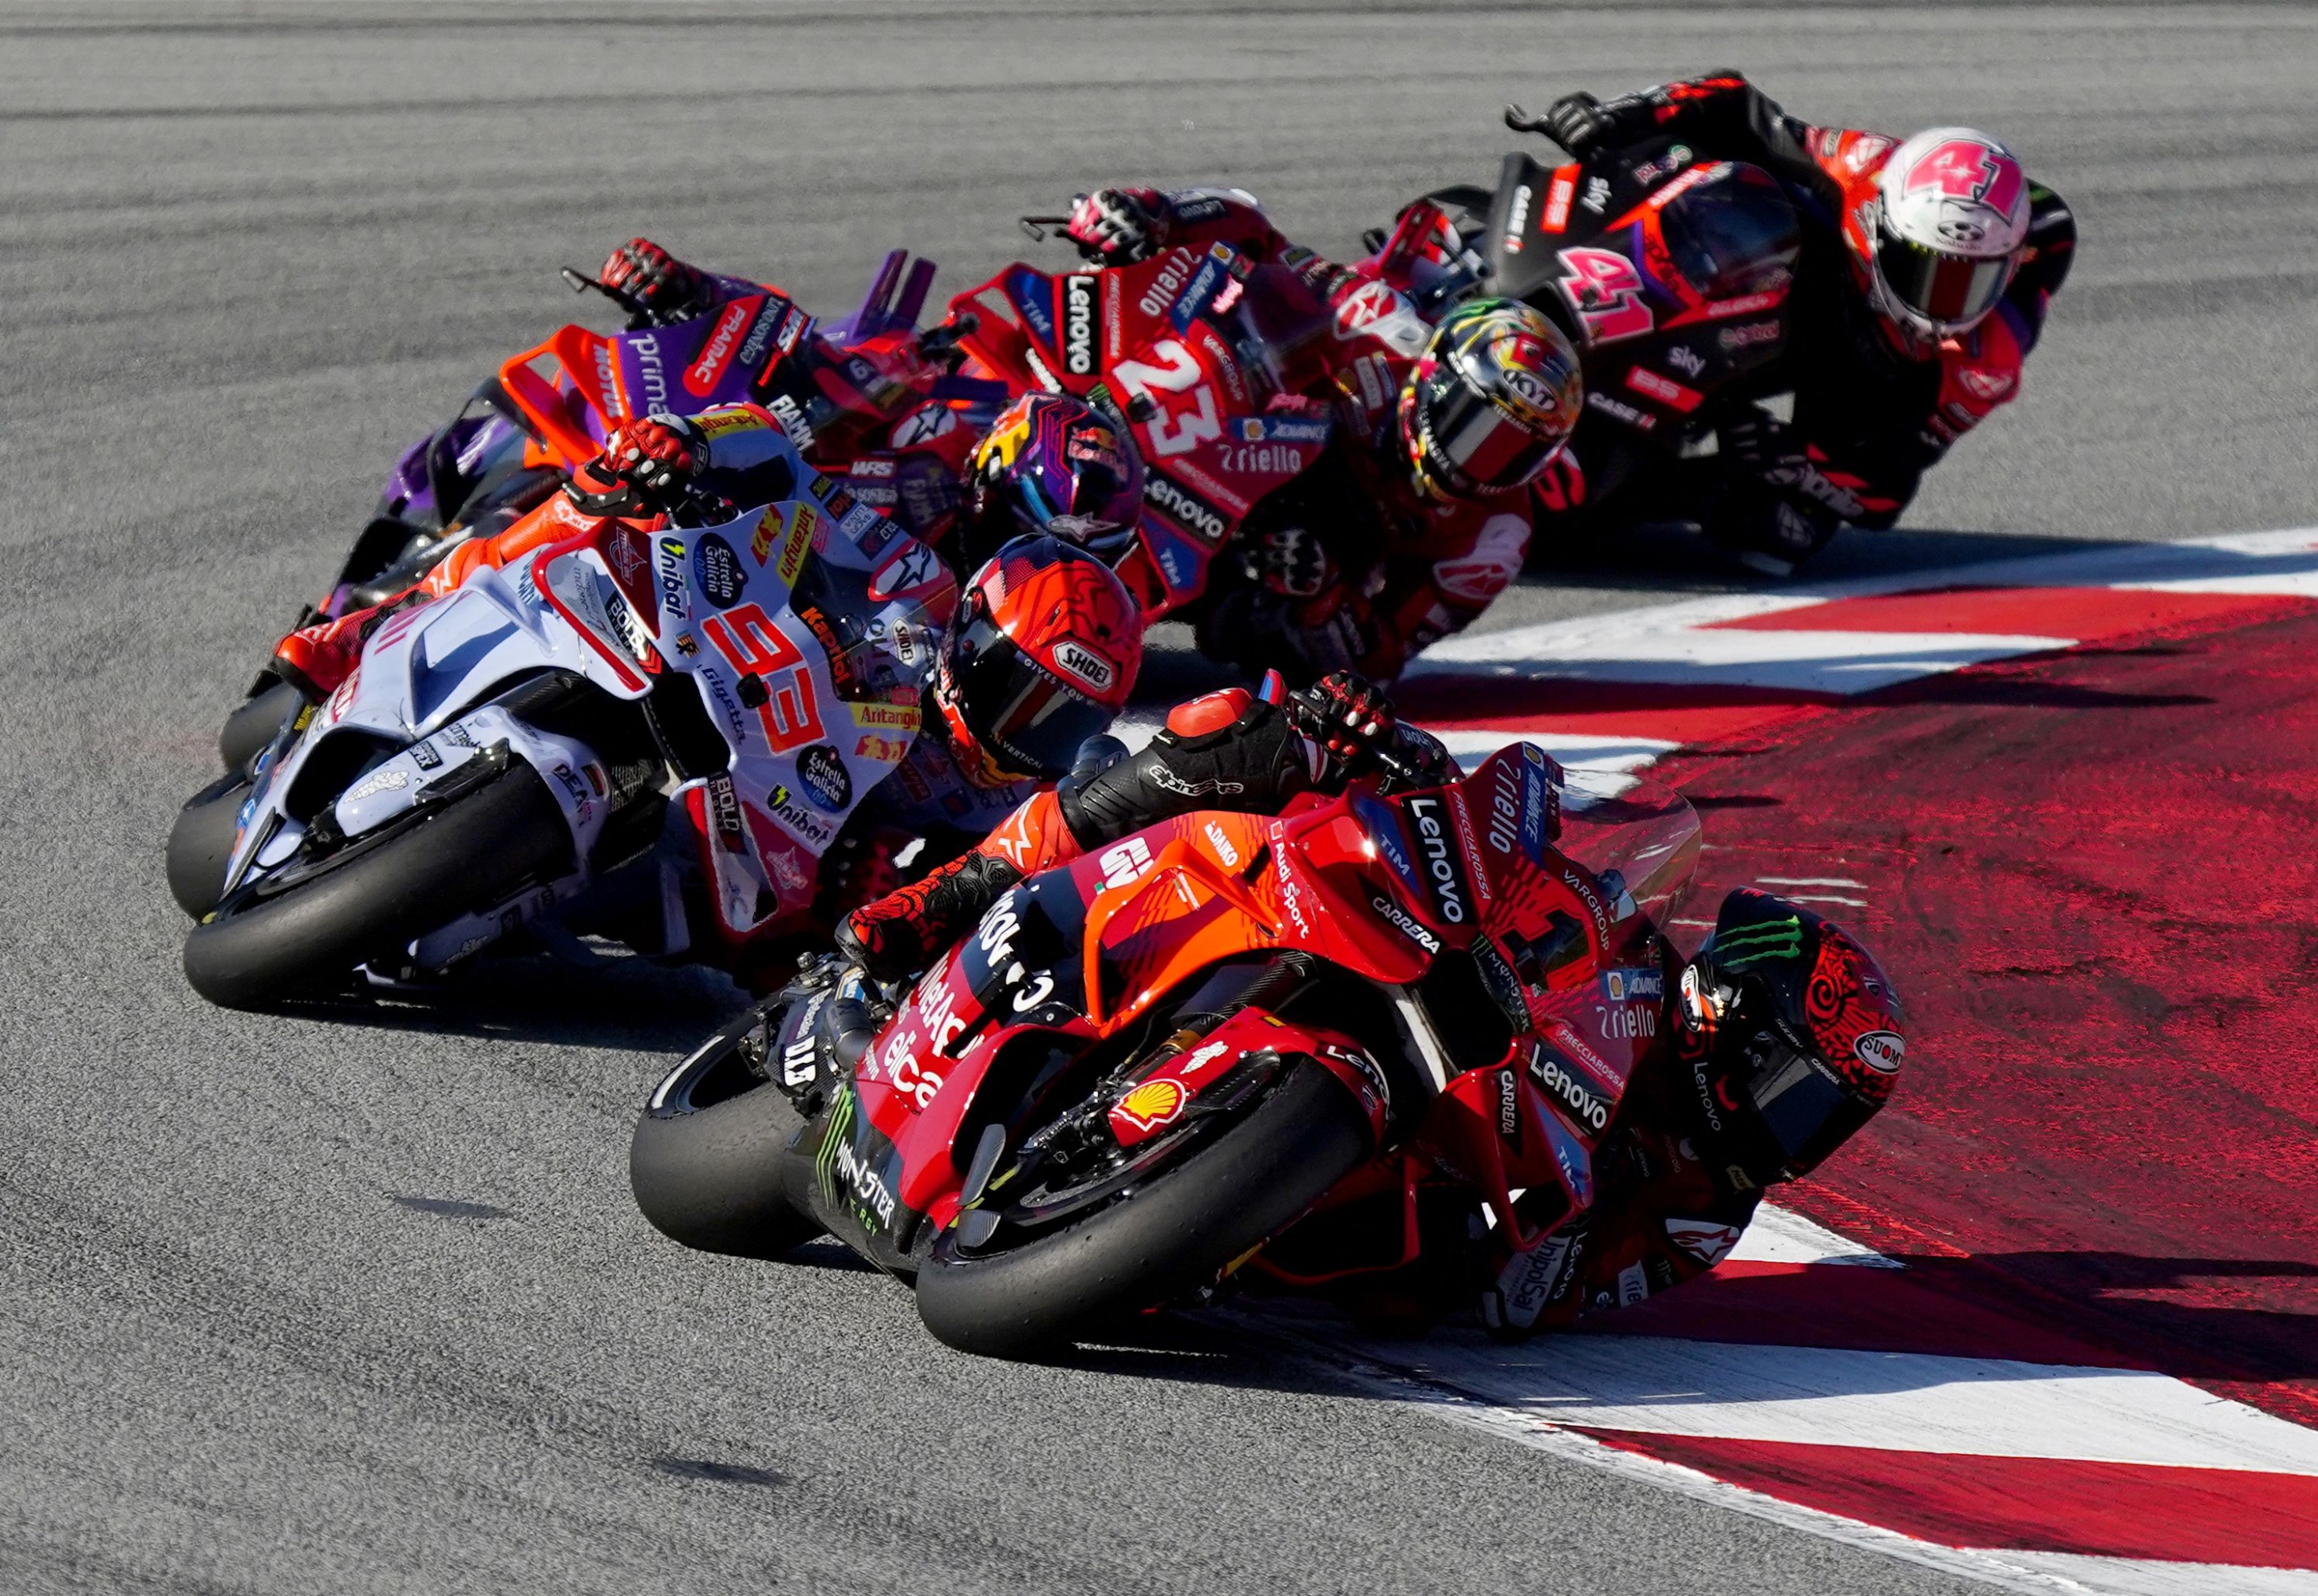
point(1951, 221)
point(1040, 657)
point(1056, 465)
point(1491, 401)
point(1791, 1034)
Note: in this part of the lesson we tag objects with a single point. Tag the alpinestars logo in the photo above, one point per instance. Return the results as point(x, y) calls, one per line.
point(1078, 324)
point(1172, 501)
point(1450, 895)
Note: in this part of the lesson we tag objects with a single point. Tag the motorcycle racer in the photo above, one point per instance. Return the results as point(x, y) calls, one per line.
point(1417, 516)
point(1738, 1098)
point(1039, 654)
point(1928, 267)
point(1226, 750)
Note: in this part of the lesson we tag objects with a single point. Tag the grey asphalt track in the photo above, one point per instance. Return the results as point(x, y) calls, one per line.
point(357, 1301)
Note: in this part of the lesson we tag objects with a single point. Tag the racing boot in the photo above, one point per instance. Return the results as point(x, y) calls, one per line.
point(317, 660)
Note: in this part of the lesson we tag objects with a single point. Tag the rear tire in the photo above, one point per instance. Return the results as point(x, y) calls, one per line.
point(248, 729)
point(201, 842)
point(1195, 1217)
point(706, 1160)
point(469, 855)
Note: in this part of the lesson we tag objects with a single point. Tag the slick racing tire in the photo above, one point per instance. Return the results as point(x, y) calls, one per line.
point(705, 1162)
point(248, 729)
point(376, 896)
point(201, 842)
point(1170, 1237)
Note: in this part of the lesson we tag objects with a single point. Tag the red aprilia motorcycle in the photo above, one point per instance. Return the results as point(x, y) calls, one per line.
point(1181, 1057)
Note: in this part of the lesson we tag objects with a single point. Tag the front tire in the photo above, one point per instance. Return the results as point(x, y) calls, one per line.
point(201, 842)
point(1173, 1235)
point(467, 856)
point(705, 1162)
point(248, 729)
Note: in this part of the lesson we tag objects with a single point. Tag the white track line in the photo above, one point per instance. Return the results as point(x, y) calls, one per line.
point(1888, 1402)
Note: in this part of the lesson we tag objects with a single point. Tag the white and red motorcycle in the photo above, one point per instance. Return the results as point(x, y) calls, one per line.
point(502, 747)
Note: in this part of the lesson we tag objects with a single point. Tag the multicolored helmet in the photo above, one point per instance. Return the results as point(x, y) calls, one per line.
point(1041, 656)
point(1494, 397)
point(1951, 223)
point(1056, 465)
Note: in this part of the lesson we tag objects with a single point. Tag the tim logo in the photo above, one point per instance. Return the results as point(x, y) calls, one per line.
point(1960, 169)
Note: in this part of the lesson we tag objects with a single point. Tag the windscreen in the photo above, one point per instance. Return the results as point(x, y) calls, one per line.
point(1644, 831)
point(1734, 236)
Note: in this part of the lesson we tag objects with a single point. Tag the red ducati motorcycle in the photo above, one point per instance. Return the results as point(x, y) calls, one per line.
point(1197, 1053)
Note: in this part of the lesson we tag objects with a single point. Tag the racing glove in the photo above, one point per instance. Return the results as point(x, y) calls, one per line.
point(1228, 750)
point(1119, 226)
point(652, 460)
point(656, 285)
point(1352, 719)
point(1579, 124)
point(904, 931)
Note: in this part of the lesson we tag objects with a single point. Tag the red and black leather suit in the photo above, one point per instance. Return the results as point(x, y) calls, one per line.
point(1874, 406)
point(1358, 570)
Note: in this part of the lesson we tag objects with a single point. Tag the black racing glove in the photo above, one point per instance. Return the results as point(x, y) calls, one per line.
point(903, 931)
point(1253, 764)
point(1579, 124)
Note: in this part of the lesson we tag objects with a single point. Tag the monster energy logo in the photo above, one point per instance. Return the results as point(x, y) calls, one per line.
point(1751, 945)
point(846, 1176)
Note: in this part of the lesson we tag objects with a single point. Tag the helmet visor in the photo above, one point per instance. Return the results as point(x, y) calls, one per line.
point(1029, 720)
point(1947, 288)
point(1474, 441)
point(1808, 1111)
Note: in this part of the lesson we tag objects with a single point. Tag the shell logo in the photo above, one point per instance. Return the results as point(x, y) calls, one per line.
point(1148, 1106)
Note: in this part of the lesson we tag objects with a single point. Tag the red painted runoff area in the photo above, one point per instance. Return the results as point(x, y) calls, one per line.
point(2093, 875)
point(2044, 1504)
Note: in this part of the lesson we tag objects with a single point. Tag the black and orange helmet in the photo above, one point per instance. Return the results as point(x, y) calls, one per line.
point(1041, 656)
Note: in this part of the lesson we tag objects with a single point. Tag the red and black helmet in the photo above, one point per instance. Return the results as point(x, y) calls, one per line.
point(1791, 1034)
point(1041, 656)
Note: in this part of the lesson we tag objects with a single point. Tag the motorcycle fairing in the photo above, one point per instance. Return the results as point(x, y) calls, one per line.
point(1672, 274)
point(809, 626)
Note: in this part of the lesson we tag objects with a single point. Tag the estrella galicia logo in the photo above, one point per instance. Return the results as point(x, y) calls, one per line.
point(1078, 324)
point(826, 781)
point(716, 572)
point(1452, 894)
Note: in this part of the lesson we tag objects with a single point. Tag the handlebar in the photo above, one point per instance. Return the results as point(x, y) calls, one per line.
point(1315, 712)
point(1037, 225)
point(581, 284)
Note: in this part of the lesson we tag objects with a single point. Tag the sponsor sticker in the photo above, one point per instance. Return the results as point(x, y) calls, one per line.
point(1882, 1051)
point(1082, 664)
point(827, 782)
point(1079, 324)
point(1634, 985)
point(716, 571)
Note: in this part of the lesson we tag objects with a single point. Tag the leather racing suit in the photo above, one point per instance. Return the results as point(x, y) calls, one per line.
point(1355, 567)
point(1875, 408)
